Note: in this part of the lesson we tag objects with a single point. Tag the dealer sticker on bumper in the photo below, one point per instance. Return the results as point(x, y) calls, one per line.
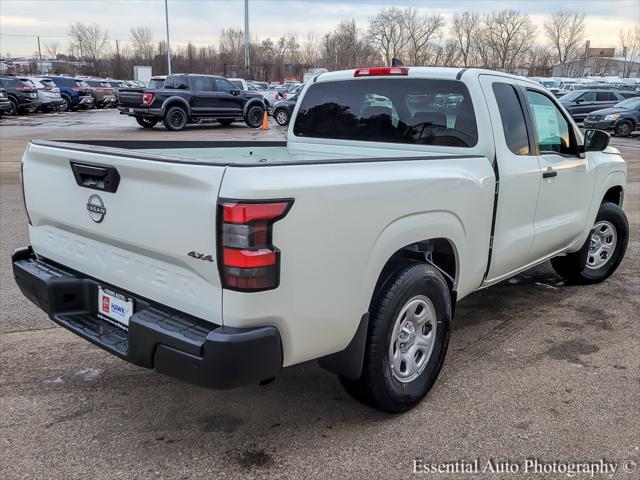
point(114, 307)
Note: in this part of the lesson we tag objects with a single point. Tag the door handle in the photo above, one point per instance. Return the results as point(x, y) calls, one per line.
point(550, 173)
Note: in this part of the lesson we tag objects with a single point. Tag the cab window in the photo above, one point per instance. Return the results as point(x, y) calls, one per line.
point(588, 97)
point(225, 85)
point(553, 130)
point(513, 120)
point(205, 84)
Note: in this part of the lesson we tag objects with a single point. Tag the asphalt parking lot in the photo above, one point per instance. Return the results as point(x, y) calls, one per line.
point(536, 369)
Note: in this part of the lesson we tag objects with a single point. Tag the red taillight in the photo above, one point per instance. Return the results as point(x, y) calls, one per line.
point(277, 96)
point(147, 98)
point(381, 71)
point(248, 260)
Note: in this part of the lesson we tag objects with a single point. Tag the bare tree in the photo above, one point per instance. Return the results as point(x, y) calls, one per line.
point(565, 31)
point(464, 29)
point(90, 43)
point(143, 43)
point(419, 31)
point(630, 42)
point(53, 49)
point(508, 34)
point(387, 35)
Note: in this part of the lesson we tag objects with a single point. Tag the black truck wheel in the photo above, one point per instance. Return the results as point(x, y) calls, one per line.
point(13, 110)
point(146, 122)
point(407, 340)
point(175, 119)
point(254, 116)
point(603, 251)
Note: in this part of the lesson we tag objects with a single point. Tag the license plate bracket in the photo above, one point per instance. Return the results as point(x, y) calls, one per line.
point(114, 307)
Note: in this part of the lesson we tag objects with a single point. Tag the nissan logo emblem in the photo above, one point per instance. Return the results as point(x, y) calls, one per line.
point(96, 209)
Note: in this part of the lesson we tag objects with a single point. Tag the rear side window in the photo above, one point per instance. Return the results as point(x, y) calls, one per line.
point(513, 120)
point(156, 83)
point(181, 82)
point(407, 110)
point(204, 84)
point(606, 97)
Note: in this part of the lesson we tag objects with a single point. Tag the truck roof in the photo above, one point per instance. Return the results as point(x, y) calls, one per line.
point(450, 73)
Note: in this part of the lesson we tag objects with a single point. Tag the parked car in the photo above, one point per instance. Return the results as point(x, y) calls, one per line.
point(5, 104)
point(623, 118)
point(74, 93)
point(48, 94)
point(23, 96)
point(350, 243)
point(103, 93)
point(270, 96)
point(156, 81)
point(261, 85)
point(283, 110)
point(187, 98)
point(582, 102)
point(549, 83)
point(293, 89)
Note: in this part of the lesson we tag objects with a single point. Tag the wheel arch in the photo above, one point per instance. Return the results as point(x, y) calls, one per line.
point(251, 103)
point(403, 242)
point(175, 102)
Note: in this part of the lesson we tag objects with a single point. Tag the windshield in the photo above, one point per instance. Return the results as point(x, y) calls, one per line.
point(629, 103)
point(419, 111)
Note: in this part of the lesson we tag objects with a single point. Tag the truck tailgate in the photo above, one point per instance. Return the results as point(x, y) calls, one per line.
point(137, 238)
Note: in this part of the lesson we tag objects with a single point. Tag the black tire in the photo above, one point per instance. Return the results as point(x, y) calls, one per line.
point(623, 128)
point(146, 122)
point(14, 110)
point(175, 119)
point(579, 268)
point(378, 386)
point(225, 122)
point(282, 116)
point(254, 116)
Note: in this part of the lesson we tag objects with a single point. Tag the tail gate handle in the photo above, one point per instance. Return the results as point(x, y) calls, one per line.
point(97, 177)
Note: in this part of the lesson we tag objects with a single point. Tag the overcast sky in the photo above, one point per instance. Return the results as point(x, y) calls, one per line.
point(200, 21)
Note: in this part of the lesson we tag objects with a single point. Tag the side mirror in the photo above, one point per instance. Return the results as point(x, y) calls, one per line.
point(235, 92)
point(579, 100)
point(595, 140)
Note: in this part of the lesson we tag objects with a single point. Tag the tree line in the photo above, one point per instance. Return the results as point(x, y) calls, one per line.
point(503, 40)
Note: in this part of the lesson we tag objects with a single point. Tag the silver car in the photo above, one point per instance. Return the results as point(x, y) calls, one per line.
point(48, 93)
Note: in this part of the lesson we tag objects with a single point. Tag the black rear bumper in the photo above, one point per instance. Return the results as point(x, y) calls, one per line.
point(158, 338)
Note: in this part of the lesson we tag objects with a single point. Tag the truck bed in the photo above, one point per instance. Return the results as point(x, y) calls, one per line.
point(238, 153)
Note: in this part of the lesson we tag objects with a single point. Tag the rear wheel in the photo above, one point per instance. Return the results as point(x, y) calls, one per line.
point(225, 121)
point(13, 110)
point(407, 340)
point(254, 116)
point(146, 122)
point(282, 117)
point(175, 118)
point(624, 128)
point(602, 252)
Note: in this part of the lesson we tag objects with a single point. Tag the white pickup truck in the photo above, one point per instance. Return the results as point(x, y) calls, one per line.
point(398, 192)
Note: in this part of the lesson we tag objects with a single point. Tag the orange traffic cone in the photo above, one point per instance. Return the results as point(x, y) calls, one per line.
point(265, 122)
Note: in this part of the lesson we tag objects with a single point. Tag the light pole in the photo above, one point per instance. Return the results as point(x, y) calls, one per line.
point(166, 17)
point(247, 60)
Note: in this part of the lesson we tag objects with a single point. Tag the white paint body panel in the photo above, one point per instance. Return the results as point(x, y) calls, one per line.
point(347, 220)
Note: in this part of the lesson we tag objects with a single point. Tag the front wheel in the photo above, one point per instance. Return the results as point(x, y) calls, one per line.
point(254, 116)
point(602, 252)
point(623, 129)
point(407, 340)
point(146, 122)
point(175, 119)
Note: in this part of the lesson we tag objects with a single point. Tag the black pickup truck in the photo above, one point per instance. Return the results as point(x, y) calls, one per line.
point(188, 98)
